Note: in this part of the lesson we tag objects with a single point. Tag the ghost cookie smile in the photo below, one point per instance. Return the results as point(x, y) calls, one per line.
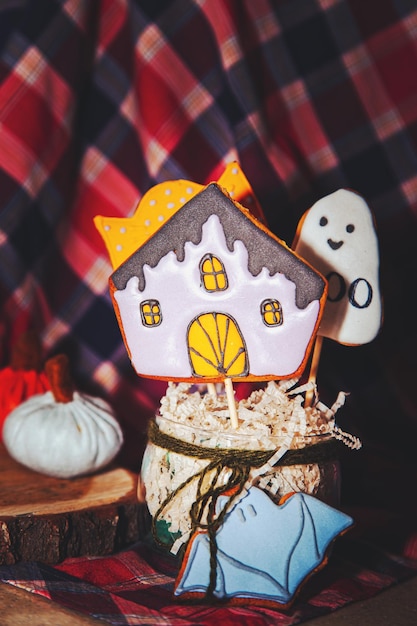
point(335, 245)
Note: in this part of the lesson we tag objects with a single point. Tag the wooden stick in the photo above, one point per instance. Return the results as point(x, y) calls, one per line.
point(230, 394)
point(313, 369)
point(211, 389)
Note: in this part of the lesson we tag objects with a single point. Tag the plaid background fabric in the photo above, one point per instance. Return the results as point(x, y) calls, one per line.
point(101, 100)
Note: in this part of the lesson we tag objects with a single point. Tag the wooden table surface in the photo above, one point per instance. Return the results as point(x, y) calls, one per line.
point(20, 608)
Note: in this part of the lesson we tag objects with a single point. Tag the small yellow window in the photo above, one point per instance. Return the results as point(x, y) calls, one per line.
point(150, 311)
point(213, 274)
point(271, 312)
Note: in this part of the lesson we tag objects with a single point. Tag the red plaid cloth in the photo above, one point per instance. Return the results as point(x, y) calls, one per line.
point(131, 588)
point(99, 101)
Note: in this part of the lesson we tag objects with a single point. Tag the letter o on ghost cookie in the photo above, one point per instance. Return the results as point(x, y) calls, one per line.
point(354, 287)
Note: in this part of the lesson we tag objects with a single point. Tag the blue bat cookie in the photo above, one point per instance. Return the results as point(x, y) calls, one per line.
point(264, 550)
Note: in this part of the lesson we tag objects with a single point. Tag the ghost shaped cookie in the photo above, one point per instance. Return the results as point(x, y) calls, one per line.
point(337, 236)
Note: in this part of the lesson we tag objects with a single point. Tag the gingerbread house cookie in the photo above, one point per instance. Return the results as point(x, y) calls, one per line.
point(213, 294)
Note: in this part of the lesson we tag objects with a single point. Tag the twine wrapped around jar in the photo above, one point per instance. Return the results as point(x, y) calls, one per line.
point(193, 454)
point(225, 471)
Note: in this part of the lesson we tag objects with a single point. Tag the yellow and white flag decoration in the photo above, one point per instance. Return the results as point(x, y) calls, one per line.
point(337, 236)
point(122, 236)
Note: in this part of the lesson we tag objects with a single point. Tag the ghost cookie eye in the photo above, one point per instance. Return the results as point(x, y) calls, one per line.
point(350, 228)
point(323, 221)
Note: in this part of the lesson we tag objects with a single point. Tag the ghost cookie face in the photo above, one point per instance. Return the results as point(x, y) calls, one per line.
point(337, 236)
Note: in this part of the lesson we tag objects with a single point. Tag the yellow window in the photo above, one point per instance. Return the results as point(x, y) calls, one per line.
point(213, 274)
point(271, 312)
point(150, 311)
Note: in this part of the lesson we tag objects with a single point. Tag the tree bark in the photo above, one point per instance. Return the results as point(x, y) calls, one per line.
point(49, 519)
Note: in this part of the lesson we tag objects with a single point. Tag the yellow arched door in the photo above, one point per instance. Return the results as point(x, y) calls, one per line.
point(216, 347)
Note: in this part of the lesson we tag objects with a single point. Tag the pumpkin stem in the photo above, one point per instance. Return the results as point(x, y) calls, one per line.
point(27, 352)
point(59, 377)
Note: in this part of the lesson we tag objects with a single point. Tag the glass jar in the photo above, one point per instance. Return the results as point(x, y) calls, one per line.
point(168, 469)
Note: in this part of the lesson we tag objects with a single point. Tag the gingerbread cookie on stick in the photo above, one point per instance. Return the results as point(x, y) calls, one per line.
point(337, 236)
point(214, 295)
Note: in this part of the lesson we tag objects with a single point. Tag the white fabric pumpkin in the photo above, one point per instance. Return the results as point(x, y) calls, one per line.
point(63, 439)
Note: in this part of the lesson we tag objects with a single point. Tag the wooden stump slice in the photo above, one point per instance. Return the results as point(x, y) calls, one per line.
point(49, 519)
